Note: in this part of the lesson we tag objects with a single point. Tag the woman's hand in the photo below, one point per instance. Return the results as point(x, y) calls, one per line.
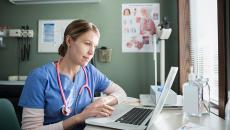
point(97, 109)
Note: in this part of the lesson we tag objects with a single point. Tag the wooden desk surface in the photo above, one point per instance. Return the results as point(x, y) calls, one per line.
point(170, 119)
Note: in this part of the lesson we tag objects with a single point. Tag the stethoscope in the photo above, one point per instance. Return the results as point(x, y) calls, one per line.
point(65, 109)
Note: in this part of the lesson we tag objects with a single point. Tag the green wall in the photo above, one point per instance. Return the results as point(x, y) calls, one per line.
point(133, 71)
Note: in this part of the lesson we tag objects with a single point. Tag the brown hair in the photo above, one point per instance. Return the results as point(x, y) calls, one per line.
point(75, 29)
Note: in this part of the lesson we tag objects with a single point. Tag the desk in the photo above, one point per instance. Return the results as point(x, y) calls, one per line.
point(170, 119)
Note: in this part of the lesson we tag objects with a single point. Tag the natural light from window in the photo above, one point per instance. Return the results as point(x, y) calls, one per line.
point(204, 43)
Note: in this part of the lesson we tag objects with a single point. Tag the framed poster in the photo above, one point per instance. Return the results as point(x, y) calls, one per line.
point(50, 34)
point(139, 22)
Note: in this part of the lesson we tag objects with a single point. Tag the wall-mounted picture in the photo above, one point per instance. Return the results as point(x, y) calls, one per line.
point(139, 23)
point(50, 34)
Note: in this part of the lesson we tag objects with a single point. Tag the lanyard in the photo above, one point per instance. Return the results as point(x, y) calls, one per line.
point(65, 110)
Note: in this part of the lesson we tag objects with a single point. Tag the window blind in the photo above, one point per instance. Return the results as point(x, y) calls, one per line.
point(204, 42)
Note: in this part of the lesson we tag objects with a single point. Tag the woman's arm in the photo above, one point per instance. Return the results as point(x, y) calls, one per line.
point(32, 119)
point(115, 94)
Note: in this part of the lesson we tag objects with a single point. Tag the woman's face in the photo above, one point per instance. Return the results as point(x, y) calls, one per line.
point(81, 50)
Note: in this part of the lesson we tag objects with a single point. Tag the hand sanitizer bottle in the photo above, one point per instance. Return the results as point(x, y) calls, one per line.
point(191, 100)
point(227, 114)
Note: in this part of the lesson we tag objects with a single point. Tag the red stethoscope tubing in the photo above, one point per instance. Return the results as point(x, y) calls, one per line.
point(59, 84)
point(86, 85)
point(79, 92)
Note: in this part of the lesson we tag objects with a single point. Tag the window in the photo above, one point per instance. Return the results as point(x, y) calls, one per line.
point(202, 43)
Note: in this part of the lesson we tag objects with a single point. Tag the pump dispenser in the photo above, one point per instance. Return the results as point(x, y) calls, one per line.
point(191, 75)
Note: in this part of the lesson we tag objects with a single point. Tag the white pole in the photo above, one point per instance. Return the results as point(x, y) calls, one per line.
point(155, 57)
point(162, 62)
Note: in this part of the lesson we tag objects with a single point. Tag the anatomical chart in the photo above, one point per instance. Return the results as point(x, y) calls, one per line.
point(139, 23)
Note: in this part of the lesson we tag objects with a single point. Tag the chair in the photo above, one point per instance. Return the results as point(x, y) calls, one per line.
point(8, 118)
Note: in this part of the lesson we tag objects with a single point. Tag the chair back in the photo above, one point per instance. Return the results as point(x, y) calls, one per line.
point(8, 118)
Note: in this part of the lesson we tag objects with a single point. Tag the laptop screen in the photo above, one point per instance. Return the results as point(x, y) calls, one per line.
point(164, 94)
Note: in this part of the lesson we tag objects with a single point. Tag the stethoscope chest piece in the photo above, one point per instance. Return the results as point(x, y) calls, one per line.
point(66, 110)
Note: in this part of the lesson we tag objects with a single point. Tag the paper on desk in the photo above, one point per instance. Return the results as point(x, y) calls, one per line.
point(193, 126)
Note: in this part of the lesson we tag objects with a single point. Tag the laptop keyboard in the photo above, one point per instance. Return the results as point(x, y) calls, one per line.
point(135, 116)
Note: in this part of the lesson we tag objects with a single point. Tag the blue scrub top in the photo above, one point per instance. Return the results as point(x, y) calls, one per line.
point(41, 91)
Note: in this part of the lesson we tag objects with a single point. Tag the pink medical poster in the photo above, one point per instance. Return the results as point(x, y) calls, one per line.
point(139, 22)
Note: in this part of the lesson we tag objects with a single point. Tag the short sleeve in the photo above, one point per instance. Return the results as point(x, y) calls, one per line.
point(101, 80)
point(33, 92)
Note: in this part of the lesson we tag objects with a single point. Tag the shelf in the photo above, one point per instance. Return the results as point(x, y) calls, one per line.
point(6, 82)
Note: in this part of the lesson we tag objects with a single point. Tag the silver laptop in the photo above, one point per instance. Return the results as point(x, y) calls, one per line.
point(135, 118)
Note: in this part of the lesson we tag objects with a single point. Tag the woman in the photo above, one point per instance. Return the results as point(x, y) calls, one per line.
point(59, 95)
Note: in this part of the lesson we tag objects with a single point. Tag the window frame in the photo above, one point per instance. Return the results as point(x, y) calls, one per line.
point(184, 49)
